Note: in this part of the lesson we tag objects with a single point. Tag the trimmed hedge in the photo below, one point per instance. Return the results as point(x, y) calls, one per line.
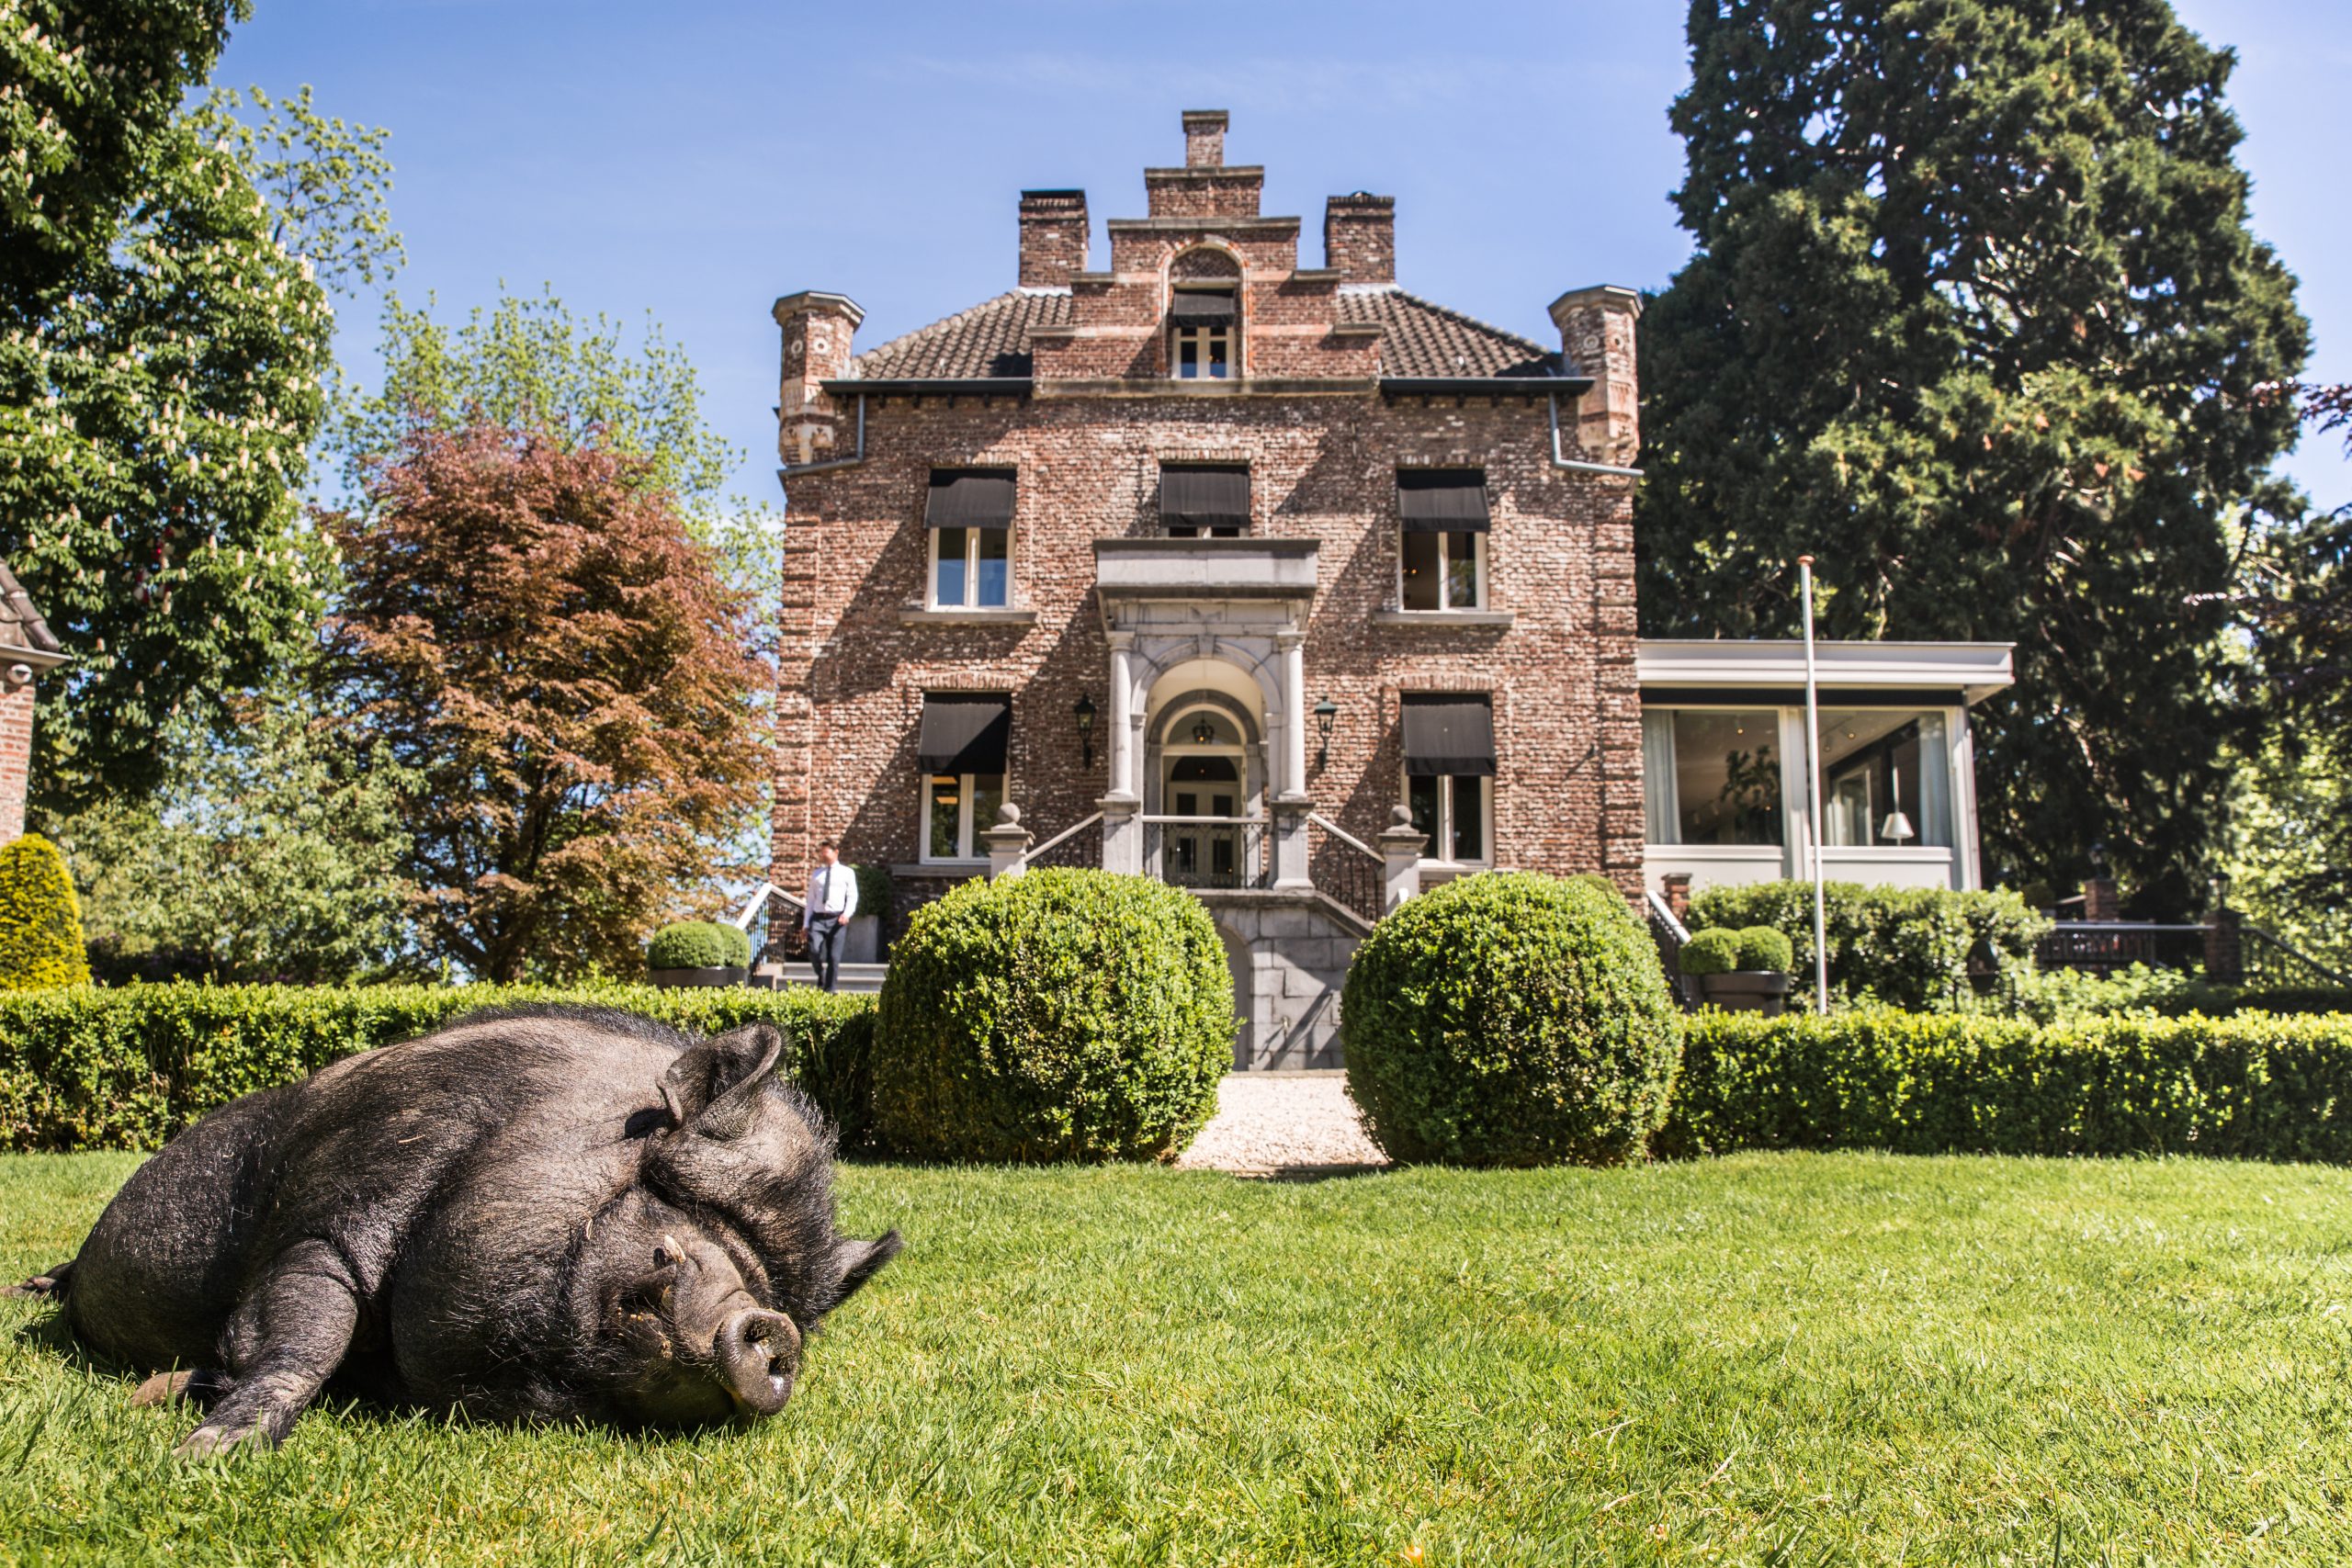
point(1060, 1015)
point(1511, 1019)
point(1713, 951)
point(2254, 1086)
point(87, 1067)
point(1762, 948)
point(1905, 947)
point(40, 920)
point(699, 944)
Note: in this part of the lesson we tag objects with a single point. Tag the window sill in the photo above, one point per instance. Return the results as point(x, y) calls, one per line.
point(915, 615)
point(1498, 618)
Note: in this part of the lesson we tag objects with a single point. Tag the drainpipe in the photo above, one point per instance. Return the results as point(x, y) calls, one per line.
point(791, 471)
point(1560, 459)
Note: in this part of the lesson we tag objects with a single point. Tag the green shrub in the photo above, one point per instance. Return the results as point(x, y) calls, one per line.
point(2250, 1088)
point(1061, 1015)
point(92, 1067)
point(2049, 996)
point(1511, 1019)
point(699, 944)
point(1713, 951)
point(1762, 947)
point(2295, 999)
point(40, 920)
point(874, 891)
point(1906, 947)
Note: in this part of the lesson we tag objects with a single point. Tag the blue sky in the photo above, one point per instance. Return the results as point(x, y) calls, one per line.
point(696, 160)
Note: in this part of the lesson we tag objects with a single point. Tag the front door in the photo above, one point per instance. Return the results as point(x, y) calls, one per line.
point(1198, 852)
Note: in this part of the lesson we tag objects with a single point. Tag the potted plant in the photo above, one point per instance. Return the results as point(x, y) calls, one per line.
point(1740, 970)
point(699, 953)
point(873, 894)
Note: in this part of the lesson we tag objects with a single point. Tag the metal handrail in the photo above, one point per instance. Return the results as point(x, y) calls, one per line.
point(767, 890)
point(2270, 939)
point(1662, 910)
point(1072, 830)
point(1344, 836)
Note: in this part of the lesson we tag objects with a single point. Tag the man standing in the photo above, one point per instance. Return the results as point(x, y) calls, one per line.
point(832, 899)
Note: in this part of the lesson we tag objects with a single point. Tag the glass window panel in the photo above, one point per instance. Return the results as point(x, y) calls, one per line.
point(1461, 572)
point(1871, 761)
point(1661, 810)
point(1727, 777)
point(996, 567)
point(1218, 348)
point(988, 795)
point(1188, 355)
point(1424, 571)
point(948, 586)
point(946, 803)
point(1469, 818)
point(1421, 794)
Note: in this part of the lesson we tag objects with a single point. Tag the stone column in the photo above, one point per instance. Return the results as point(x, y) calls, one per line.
point(1122, 729)
point(1400, 852)
point(1293, 649)
point(2224, 947)
point(1008, 841)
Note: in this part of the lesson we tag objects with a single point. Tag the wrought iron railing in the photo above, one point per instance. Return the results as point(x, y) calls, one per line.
point(1669, 933)
point(1345, 869)
point(1206, 852)
point(2271, 962)
point(2103, 946)
point(1080, 844)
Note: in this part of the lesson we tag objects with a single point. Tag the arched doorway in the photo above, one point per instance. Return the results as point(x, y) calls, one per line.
point(1204, 779)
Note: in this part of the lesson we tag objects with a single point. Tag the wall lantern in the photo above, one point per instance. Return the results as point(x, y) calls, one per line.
point(1083, 711)
point(1325, 712)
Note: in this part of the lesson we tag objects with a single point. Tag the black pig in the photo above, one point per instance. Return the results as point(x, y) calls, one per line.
point(552, 1213)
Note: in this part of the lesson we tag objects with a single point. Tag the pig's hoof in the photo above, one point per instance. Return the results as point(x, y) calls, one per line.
point(38, 1286)
point(222, 1442)
point(197, 1387)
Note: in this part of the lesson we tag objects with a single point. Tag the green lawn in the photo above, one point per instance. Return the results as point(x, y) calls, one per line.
point(1790, 1359)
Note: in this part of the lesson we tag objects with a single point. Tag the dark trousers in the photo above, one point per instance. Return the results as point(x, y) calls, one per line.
point(825, 948)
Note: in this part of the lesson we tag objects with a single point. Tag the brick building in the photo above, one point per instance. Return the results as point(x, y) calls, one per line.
point(27, 647)
point(1254, 575)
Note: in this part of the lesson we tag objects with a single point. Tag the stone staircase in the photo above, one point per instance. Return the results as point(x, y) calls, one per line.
point(864, 979)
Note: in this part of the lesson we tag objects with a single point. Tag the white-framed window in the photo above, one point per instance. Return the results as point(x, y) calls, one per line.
point(1456, 811)
point(1443, 571)
point(955, 807)
point(1712, 777)
point(1204, 339)
point(971, 569)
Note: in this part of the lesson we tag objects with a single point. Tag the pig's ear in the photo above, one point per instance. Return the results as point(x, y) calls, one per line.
point(861, 1260)
point(712, 1071)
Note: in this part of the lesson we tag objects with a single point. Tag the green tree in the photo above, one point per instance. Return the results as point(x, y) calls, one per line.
point(161, 382)
point(274, 854)
point(1975, 317)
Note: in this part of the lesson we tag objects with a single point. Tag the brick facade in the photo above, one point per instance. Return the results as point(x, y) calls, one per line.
point(1336, 393)
point(16, 754)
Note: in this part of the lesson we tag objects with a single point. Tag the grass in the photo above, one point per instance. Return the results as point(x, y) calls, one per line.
point(1778, 1359)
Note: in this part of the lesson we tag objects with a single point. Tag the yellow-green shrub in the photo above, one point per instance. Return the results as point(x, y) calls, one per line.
point(40, 920)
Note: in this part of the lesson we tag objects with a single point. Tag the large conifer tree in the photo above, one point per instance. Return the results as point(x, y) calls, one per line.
point(1975, 317)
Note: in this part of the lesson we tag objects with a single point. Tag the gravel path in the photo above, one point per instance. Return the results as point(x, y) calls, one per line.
point(1269, 1121)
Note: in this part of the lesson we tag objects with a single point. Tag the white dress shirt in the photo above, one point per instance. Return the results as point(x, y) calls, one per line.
point(833, 890)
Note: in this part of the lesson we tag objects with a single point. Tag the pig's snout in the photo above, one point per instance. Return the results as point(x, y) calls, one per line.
point(758, 1354)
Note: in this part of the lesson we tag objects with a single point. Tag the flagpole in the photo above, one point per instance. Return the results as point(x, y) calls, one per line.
point(1812, 787)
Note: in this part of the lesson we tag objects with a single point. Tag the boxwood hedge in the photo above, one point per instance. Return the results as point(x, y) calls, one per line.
point(1062, 1015)
point(2252, 1086)
point(1905, 947)
point(1511, 1019)
point(125, 1068)
point(699, 944)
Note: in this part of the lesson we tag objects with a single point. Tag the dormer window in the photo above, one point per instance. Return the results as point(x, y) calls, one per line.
point(1203, 333)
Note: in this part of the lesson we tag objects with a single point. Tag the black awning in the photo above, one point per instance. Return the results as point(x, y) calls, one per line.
point(1206, 497)
point(1449, 735)
point(1442, 501)
point(1197, 307)
point(965, 734)
point(971, 498)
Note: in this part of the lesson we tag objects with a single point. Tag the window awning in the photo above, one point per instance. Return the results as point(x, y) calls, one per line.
point(1200, 307)
point(1449, 735)
point(965, 734)
point(1206, 497)
point(1442, 501)
point(971, 498)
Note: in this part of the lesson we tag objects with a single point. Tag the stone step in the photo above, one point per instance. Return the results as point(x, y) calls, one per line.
point(861, 978)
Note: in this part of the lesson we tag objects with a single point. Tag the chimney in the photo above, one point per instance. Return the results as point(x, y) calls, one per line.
point(1052, 237)
point(1596, 340)
point(817, 332)
point(1204, 139)
point(1360, 237)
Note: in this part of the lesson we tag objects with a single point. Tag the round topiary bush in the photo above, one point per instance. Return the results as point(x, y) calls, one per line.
point(40, 920)
point(1762, 947)
point(1060, 1015)
point(699, 944)
point(1710, 952)
point(1511, 1018)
